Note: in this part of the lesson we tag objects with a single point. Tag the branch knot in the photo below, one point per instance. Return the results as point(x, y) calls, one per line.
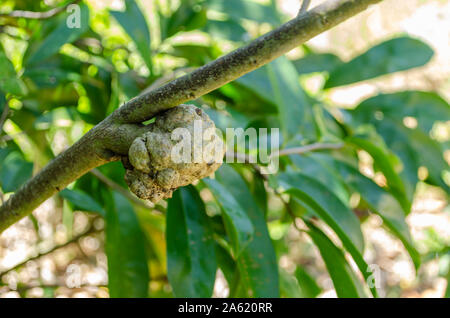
point(180, 147)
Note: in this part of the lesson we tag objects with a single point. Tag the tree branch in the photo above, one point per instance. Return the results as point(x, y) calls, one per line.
point(37, 15)
point(241, 61)
point(308, 148)
point(112, 137)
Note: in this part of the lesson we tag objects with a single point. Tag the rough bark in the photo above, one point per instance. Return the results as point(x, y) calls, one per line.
point(112, 137)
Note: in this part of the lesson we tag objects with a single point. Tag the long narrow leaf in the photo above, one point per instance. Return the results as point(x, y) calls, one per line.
point(257, 263)
point(128, 274)
point(191, 260)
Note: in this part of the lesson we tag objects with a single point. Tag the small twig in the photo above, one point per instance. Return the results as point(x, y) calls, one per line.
point(304, 7)
point(308, 148)
point(4, 115)
point(91, 230)
point(37, 15)
point(249, 159)
point(113, 185)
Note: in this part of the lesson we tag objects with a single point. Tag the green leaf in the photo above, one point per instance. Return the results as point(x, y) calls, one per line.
point(429, 153)
point(128, 84)
point(247, 9)
point(2, 103)
point(292, 102)
point(345, 281)
point(228, 118)
point(414, 147)
point(51, 77)
point(278, 83)
point(196, 54)
point(426, 107)
point(289, 286)
point(14, 171)
point(191, 260)
point(258, 82)
point(312, 63)
point(308, 285)
point(237, 222)
point(82, 201)
point(384, 161)
point(332, 210)
point(327, 205)
point(388, 57)
point(310, 166)
point(189, 16)
point(9, 83)
point(63, 34)
point(257, 264)
point(226, 30)
point(228, 266)
point(381, 202)
point(134, 23)
point(57, 117)
point(399, 144)
point(128, 274)
point(259, 192)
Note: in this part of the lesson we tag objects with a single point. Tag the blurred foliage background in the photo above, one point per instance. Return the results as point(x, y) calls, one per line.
point(375, 87)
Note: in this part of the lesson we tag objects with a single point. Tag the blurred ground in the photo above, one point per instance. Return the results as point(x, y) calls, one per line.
point(79, 269)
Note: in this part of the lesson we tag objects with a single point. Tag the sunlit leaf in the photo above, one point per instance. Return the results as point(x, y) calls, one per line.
point(278, 83)
point(188, 16)
point(135, 25)
point(388, 57)
point(345, 281)
point(429, 154)
point(327, 205)
point(308, 286)
point(9, 83)
point(64, 33)
point(381, 202)
point(331, 209)
point(383, 160)
point(413, 145)
point(247, 9)
point(425, 107)
point(312, 63)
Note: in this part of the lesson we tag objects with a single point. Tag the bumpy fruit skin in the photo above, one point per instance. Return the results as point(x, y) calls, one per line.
point(154, 172)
